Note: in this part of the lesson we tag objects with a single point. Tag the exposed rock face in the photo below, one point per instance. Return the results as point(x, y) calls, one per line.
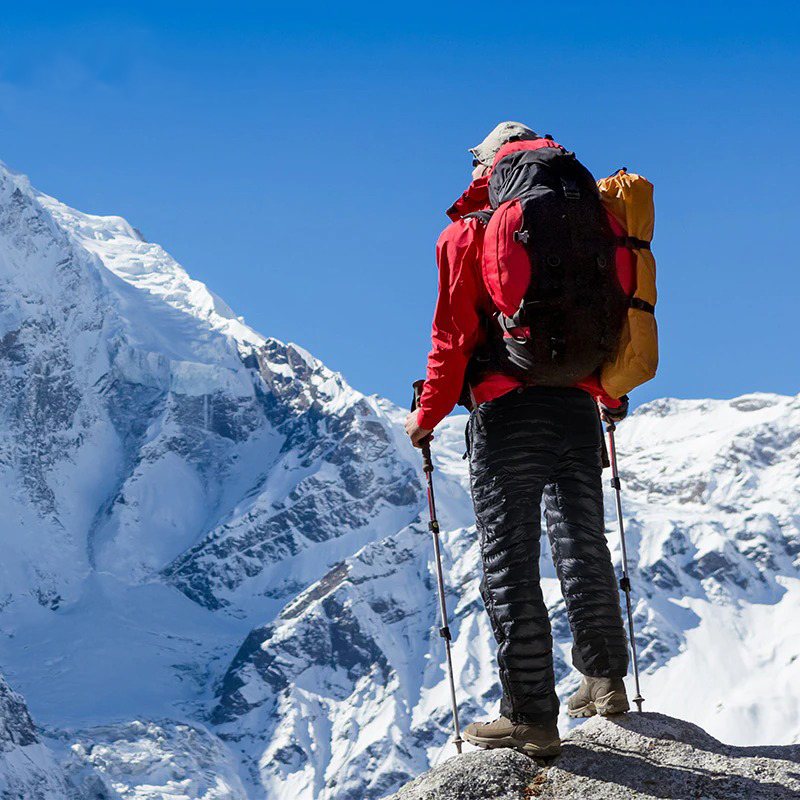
point(16, 725)
point(636, 757)
point(28, 769)
point(343, 475)
point(490, 775)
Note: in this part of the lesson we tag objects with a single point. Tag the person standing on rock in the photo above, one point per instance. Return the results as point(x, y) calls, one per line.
point(518, 335)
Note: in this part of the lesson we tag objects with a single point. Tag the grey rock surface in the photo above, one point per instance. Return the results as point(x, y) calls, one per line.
point(28, 768)
point(489, 775)
point(16, 725)
point(633, 757)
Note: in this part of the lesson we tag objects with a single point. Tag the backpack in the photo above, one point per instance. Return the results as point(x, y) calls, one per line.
point(628, 199)
point(560, 268)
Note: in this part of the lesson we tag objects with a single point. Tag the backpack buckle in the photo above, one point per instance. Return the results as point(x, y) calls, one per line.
point(522, 236)
point(571, 190)
point(507, 326)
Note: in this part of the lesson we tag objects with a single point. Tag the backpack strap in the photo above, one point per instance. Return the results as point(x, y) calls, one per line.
point(633, 243)
point(642, 305)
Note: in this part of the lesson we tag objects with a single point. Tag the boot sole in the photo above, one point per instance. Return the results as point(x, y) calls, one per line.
point(530, 749)
point(606, 706)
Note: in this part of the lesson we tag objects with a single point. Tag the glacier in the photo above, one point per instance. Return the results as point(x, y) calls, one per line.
point(217, 577)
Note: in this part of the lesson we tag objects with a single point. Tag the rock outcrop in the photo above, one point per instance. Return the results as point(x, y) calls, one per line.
point(28, 769)
point(633, 757)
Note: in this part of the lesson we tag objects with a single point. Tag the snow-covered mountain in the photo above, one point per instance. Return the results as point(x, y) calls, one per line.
point(711, 499)
point(159, 461)
point(217, 580)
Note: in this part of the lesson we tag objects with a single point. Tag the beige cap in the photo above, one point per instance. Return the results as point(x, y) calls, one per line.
point(503, 133)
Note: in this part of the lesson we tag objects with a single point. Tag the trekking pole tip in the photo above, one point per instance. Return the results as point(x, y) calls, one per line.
point(638, 700)
point(458, 742)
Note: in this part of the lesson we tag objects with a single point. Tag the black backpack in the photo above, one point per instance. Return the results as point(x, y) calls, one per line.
point(549, 266)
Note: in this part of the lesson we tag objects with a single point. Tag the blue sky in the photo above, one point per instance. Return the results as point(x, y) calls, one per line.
point(298, 159)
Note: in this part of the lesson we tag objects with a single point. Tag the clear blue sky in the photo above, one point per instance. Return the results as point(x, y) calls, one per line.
point(298, 157)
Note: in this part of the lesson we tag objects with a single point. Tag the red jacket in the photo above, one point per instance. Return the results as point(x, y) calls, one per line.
point(461, 306)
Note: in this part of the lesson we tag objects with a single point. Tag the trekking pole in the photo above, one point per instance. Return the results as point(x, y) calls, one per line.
point(444, 631)
point(625, 582)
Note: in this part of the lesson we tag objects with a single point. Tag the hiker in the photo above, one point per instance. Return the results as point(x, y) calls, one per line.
point(529, 438)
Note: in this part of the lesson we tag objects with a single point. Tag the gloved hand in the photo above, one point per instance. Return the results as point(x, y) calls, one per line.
point(615, 414)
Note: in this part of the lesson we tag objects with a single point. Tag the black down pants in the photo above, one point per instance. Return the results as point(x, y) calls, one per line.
point(528, 443)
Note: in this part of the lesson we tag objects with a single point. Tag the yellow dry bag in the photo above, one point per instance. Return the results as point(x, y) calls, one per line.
point(629, 199)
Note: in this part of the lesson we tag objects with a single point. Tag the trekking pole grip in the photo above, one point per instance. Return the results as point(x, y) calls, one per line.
point(427, 463)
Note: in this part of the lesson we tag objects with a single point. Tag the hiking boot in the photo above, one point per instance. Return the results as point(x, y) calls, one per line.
point(604, 696)
point(540, 740)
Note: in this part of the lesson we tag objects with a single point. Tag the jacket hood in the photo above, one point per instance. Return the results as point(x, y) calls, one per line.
point(475, 198)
